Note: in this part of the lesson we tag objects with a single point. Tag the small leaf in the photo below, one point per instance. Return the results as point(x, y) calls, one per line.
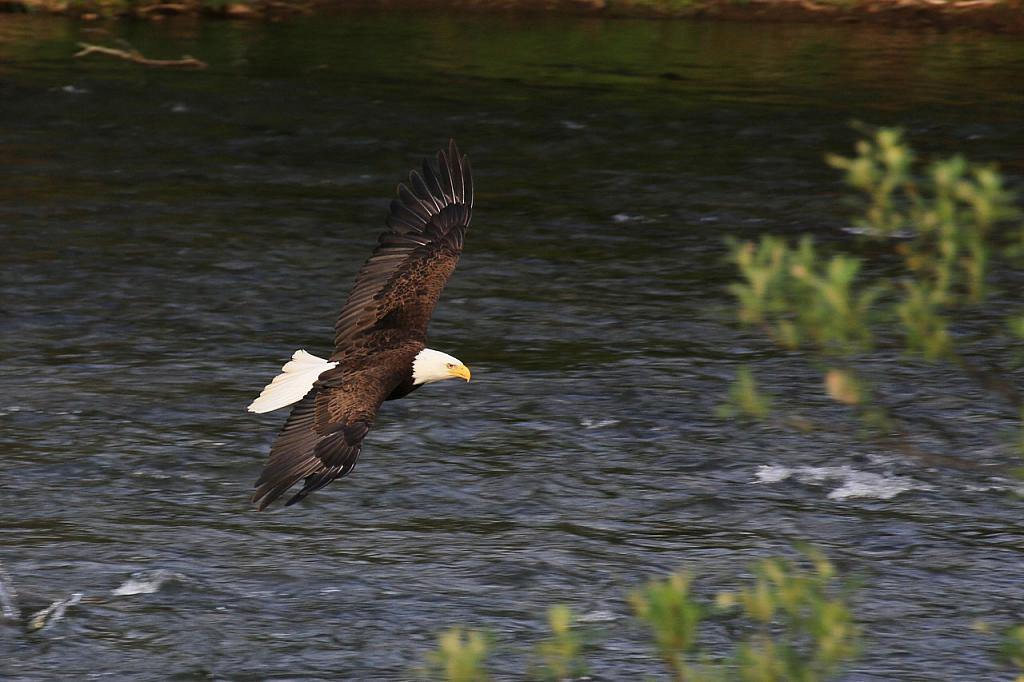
point(842, 386)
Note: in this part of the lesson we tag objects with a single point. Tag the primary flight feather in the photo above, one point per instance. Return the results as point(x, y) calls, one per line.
point(380, 348)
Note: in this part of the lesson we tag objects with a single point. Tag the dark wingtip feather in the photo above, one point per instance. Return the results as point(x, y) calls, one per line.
point(265, 496)
point(434, 185)
point(432, 190)
point(423, 192)
point(334, 456)
point(467, 182)
point(413, 203)
point(444, 172)
point(453, 150)
point(269, 491)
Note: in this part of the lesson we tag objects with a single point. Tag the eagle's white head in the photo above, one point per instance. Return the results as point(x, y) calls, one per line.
point(433, 365)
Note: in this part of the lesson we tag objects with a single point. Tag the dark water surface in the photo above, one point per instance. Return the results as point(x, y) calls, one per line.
point(169, 238)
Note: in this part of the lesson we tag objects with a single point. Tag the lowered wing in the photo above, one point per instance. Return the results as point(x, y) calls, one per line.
point(323, 436)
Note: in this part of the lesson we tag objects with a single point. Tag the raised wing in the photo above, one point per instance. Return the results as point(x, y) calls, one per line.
point(398, 287)
point(323, 436)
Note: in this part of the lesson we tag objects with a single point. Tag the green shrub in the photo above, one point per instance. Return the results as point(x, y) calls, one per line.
point(460, 656)
point(561, 654)
point(672, 615)
point(793, 622)
point(1013, 650)
point(946, 226)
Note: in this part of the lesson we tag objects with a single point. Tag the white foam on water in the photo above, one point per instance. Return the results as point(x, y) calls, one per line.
point(872, 232)
point(54, 613)
point(589, 423)
point(146, 582)
point(8, 597)
point(599, 616)
point(772, 474)
point(852, 483)
point(867, 484)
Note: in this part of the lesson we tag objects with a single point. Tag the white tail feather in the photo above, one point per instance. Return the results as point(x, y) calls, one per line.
point(296, 378)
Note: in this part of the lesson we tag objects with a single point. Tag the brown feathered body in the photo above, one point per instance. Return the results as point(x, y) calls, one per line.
point(380, 331)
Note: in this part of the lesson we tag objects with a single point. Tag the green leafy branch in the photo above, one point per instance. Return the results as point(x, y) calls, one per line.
point(794, 620)
point(948, 224)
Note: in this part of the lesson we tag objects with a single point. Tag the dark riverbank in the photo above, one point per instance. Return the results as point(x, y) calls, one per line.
point(986, 15)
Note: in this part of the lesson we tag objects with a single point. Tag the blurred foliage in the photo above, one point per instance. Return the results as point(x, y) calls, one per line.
point(1013, 650)
point(797, 627)
point(460, 656)
point(745, 397)
point(801, 299)
point(561, 654)
point(947, 225)
point(804, 629)
point(672, 615)
point(792, 621)
point(945, 220)
point(947, 217)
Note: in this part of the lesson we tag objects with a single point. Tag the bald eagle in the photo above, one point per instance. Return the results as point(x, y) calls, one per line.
point(380, 348)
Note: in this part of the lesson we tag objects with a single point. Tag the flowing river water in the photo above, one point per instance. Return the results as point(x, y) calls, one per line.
point(170, 237)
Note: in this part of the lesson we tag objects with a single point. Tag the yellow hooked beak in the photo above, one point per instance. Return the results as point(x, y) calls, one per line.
point(460, 371)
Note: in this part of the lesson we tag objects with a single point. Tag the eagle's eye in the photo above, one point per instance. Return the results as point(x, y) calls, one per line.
point(450, 365)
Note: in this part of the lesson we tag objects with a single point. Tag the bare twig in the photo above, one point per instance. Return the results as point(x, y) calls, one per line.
point(137, 57)
point(163, 8)
point(289, 6)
